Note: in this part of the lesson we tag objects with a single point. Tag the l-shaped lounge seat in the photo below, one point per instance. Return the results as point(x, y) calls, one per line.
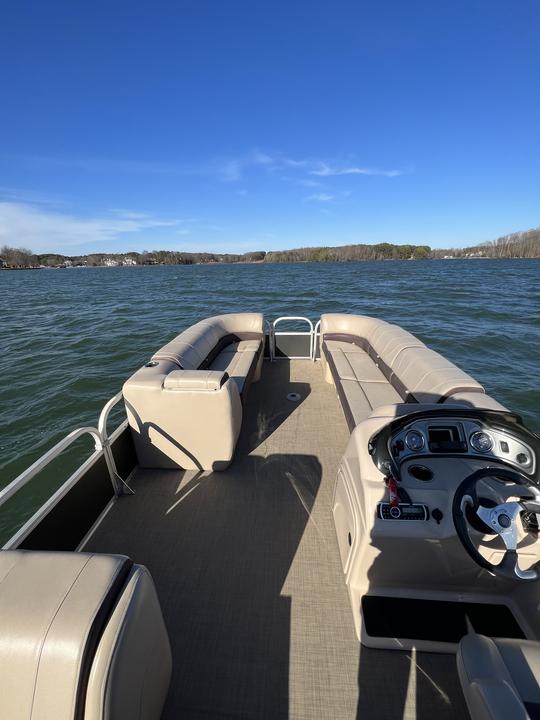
point(374, 363)
point(185, 405)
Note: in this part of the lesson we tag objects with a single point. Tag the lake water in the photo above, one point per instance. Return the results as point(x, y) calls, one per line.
point(71, 337)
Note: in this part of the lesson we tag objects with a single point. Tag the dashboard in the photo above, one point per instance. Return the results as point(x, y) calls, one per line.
point(428, 453)
point(460, 437)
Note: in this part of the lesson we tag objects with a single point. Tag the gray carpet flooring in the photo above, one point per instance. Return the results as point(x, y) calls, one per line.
point(247, 569)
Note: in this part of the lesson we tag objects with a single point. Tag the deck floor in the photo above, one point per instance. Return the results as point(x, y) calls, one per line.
point(247, 569)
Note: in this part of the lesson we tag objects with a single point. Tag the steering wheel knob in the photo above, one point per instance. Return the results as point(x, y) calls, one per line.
point(504, 521)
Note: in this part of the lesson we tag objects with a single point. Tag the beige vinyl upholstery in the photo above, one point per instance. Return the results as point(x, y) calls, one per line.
point(374, 363)
point(500, 677)
point(185, 406)
point(237, 360)
point(82, 637)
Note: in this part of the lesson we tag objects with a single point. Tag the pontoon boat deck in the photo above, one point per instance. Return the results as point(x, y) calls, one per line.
point(328, 516)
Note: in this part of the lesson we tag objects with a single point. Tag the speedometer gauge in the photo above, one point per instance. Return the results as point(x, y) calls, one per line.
point(481, 441)
point(414, 440)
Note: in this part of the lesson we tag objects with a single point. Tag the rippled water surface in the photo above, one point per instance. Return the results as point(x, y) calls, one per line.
point(71, 337)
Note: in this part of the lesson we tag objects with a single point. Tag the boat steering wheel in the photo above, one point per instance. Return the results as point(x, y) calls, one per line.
point(501, 519)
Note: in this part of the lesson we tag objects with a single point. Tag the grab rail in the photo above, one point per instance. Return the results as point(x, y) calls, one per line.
point(116, 480)
point(316, 334)
point(25, 477)
point(102, 443)
point(292, 332)
point(271, 339)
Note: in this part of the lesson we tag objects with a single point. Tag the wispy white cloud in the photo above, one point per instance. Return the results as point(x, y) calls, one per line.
point(320, 197)
point(302, 181)
point(325, 170)
point(126, 214)
point(41, 230)
point(10, 194)
point(229, 169)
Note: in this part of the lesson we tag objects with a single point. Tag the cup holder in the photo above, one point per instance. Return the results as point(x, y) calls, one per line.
point(152, 363)
point(420, 472)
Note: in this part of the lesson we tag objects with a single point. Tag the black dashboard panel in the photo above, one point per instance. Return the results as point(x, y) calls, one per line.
point(496, 436)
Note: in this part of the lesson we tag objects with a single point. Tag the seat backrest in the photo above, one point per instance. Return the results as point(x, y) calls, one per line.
point(418, 373)
point(55, 609)
point(198, 346)
point(429, 377)
point(500, 678)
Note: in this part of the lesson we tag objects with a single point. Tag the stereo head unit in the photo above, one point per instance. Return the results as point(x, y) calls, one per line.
point(403, 511)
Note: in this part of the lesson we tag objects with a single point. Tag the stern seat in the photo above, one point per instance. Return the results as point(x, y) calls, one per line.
point(82, 637)
point(500, 677)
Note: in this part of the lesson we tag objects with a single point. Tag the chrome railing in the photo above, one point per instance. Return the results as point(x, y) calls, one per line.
point(102, 447)
point(275, 333)
point(316, 334)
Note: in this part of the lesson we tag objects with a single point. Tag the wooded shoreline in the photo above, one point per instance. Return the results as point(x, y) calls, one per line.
point(518, 245)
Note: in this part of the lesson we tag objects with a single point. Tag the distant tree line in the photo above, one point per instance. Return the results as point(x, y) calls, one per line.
point(524, 244)
point(517, 245)
point(22, 258)
point(351, 253)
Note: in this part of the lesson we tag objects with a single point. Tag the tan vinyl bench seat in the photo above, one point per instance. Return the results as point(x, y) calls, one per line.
point(82, 637)
point(374, 363)
point(185, 406)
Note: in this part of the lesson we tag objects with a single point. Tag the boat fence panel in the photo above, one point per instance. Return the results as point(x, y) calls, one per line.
point(292, 344)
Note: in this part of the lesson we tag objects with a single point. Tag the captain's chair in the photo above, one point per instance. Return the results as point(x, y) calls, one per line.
point(82, 637)
point(500, 677)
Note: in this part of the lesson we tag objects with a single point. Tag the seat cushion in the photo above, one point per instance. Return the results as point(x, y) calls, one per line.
point(500, 677)
point(360, 383)
point(355, 404)
point(237, 362)
point(53, 607)
point(522, 658)
point(81, 636)
point(380, 393)
point(132, 666)
point(355, 364)
point(349, 347)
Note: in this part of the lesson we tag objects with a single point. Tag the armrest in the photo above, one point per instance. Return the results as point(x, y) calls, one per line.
point(183, 418)
point(200, 380)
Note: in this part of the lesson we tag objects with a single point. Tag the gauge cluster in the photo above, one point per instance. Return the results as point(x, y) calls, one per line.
point(461, 437)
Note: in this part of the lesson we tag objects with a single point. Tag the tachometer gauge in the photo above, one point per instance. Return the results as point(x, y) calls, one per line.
point(414, 440)
point(481, 441)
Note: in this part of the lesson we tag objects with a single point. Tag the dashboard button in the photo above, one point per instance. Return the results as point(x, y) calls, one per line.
point(504, 446)
point(523, 459)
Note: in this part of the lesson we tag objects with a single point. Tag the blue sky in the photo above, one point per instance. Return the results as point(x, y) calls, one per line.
point(238, 125)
